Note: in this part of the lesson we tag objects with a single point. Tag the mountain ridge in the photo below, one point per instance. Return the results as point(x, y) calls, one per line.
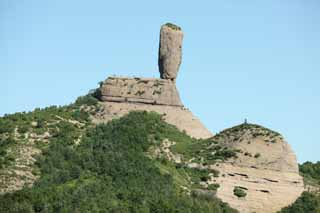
point(128, 134)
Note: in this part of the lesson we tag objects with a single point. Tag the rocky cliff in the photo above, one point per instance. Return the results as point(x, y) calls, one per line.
point(248, 166)
point(140, 90)
point(265, 169)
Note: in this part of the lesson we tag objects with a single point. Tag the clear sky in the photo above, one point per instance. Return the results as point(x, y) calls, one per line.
point(241, 59)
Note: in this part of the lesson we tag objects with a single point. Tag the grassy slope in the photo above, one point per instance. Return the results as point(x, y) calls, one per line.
point(86, 168)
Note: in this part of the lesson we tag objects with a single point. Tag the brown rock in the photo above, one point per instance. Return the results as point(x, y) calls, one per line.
point(182, 118)
point(140, 90)
point(265, 166)
point(170, 51)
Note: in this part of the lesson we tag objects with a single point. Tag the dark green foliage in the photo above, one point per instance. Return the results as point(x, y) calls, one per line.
point(6, 126)
point(213, 187)
point(225, 153)
point(256, 130)
point(257, 155)
point(311, 173)
point(203, 151)
point(88, 100)
point(197, 175)
point(173, 26)
point(4, 144)
point(306, 203)
point(309, 169)
point(22, 120)
point(239, 191)
point(109, 171)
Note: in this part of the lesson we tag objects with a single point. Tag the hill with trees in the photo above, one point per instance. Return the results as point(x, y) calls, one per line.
point(113, 167)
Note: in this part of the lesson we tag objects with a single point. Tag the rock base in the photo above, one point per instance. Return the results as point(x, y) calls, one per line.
point(140, 90)
point(181, 117)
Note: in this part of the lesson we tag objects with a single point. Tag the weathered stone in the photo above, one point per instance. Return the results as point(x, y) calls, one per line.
point(140, 90)
point(170, 51)
point(265, 165)
point(181, 117)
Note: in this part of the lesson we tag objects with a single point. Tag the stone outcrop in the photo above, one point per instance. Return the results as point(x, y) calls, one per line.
point(265, 167)
point(181, 117)
point(170, 51)
point(140, 90)
point(120, 95)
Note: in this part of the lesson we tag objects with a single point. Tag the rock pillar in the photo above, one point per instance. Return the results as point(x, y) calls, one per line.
point(170, 51)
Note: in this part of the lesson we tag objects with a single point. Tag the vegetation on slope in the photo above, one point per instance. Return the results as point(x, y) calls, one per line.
point(311, 173)
point(205, 152)
point(236, 133)
point(24, 135)
point(309, 201)
point(306, 203)
point(104, 168)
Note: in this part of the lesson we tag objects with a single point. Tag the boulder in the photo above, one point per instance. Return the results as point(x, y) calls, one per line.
point(265, 166)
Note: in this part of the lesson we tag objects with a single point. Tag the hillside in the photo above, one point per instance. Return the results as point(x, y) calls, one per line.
point(132, 146)
point(75, 163)
point(56, 159)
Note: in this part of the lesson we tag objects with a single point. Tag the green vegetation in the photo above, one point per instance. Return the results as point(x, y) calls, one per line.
point(306, 203)
point(109, 170)
point(18, 127)
point(239, 191)
point(5, 158)
point(203, 151)
point(88, 100)
point(235, 134)
point(173, 26)
point(310, 171)
point(257, 155)
point(213, 187)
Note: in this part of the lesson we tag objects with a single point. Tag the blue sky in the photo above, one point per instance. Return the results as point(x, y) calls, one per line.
point(241, 59)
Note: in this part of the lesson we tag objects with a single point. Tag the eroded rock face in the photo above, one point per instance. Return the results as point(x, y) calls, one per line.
point(181, 117)
point(265, 168)
point(140, 90)
point(170, 51)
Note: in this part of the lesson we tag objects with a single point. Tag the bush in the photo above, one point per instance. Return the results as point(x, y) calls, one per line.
point(257, 155)
point(173, 26)
point(213, 186)
point(88, 100)
point(239, 192)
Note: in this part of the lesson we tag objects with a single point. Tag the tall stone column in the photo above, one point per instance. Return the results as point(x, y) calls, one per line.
point(170, 51)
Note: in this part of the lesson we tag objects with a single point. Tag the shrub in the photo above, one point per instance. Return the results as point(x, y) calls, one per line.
point(257, 155)
point(88, 100)
point(239, 192)
point(173, 26)
point(213, 186)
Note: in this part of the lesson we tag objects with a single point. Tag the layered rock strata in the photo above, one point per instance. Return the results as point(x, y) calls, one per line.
point(140, 90)
point(265, 168)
